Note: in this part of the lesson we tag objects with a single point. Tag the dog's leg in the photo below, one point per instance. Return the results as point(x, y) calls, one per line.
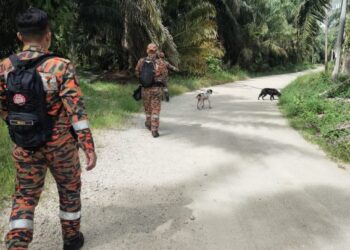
point(209, 104)
point(200, 104)
point(263, 97)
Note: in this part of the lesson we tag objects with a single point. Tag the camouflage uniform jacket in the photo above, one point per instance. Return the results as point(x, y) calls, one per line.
point(64, 97)
point(168, 67)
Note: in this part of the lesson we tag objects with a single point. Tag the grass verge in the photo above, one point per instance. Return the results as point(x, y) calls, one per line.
point(7, 171)
point(321, 120)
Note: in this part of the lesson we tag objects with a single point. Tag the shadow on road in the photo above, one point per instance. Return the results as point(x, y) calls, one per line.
point(312, 218)
point(142, 217)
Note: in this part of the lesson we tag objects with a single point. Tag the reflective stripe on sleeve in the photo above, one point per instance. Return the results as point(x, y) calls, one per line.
point(70, 216)
point(6, 75)
point(81, 125)
point(21, 224)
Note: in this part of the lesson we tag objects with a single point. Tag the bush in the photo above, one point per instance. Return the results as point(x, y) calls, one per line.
point(317, 117)
point(214, 64)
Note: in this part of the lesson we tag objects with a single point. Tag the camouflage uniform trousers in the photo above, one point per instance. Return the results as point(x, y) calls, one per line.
point(152, 99)
point(63, 162)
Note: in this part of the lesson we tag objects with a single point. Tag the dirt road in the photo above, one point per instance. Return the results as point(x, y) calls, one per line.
point(234, 177)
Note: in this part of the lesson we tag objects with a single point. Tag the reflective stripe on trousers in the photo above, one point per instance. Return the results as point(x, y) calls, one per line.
point(81, 125)
point(21, 224)
point(70, 216)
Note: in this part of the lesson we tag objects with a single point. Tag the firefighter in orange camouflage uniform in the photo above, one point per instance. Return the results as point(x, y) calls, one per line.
point(152, 95)
point(60, 155)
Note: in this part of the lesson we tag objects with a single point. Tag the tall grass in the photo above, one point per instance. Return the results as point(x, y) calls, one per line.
point(109, 104)
point(7, 170)
point(319, 118)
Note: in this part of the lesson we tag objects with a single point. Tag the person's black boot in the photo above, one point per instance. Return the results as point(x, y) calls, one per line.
point(155, 134)
point(75, 244)
point(167, 96)
point(148, 126)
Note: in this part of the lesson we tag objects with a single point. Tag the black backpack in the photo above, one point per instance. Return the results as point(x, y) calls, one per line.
point(29, 124)
point(147, 73)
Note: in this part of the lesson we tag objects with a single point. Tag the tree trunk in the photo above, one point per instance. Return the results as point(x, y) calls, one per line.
point(340, 39)
point(326, 42)
point(346, 63)
point(127, 58)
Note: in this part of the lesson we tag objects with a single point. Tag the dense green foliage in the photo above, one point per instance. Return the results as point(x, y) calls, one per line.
point(323, 120)
point(112, 34)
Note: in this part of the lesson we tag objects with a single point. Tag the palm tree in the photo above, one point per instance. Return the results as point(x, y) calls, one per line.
point(326, 42)
point(194, 29)
point(310, 14)
point(339, 43)
point(229, 28)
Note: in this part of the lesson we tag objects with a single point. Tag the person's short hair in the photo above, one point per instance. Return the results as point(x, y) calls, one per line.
point(152, 48)
point(33, 23)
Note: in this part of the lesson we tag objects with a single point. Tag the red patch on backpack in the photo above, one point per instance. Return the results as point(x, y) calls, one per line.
point(19, 99)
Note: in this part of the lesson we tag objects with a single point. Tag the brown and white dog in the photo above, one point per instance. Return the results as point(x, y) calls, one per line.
point(202, 97)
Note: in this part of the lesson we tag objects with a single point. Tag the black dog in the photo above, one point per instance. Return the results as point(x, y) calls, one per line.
point(271, 92)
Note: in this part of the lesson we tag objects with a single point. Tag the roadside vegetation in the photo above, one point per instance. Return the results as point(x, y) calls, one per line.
point(320, 109)
point(6, 166)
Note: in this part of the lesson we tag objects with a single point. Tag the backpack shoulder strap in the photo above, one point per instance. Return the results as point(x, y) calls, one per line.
point(14, 60)
point(42, 59)
point(35, 62)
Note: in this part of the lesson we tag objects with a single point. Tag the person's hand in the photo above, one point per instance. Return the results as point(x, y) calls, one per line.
point(91, 159)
